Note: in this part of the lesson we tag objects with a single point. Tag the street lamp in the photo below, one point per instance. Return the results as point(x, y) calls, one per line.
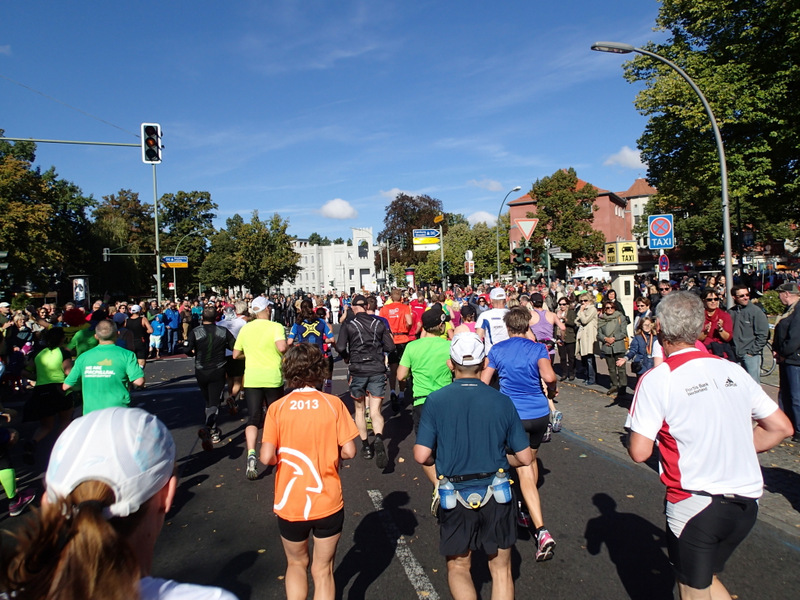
point(620, 48)
point(497, 228)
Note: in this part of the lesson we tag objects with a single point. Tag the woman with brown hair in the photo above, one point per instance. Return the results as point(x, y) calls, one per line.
point(312, 432)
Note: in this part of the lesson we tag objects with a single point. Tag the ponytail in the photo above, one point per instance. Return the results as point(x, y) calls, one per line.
point(70, 550)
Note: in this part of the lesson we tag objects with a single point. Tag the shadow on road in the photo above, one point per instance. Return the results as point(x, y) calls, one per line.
point(635, 546)
point(375, 540)
point(784, 482)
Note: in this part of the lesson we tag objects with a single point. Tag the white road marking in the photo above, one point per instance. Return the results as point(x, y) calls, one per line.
point(414, 571)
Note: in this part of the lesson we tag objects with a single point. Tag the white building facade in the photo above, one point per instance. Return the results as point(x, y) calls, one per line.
point(337, 267)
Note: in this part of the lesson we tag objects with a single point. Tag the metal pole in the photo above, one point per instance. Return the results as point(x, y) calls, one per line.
point(497, 227)
point(441, 258)
point(726, 216)
point(174, 280)
point(158, 243)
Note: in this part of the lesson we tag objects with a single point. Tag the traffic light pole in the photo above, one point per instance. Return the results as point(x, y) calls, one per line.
point(158, 243)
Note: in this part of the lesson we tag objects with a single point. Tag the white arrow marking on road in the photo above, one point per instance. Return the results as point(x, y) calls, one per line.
point(414, 571)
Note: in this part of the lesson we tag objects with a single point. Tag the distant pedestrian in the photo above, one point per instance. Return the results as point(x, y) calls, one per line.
point(786, 345)
point(750, 331)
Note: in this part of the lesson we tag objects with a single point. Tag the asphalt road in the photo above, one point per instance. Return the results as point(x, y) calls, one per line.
point(605, 513)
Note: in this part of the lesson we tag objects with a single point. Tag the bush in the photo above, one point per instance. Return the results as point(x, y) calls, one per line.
point(772, 303)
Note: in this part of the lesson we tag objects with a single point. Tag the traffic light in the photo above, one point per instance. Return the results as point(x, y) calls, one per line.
point(519, 258)
point(106, 254)
point(151, 143)
point(527, 255)
point(446, 268)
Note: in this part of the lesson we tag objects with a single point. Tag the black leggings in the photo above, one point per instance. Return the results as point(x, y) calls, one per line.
point(211, 382)
point(256, 398)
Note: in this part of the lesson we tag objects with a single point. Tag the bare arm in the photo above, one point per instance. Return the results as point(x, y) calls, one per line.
point(281, 346)
point(267, 454)
point(640, 447)
point(424, 455)
point(487, 374)
point(402, 372)
point(521, 459)
point(138, 382)
point(347, 451)
point(238, 354)
point(771, 431)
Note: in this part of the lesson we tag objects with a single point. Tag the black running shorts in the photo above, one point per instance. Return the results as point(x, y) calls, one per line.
point(535, 428)
point(709, 538)
point(489, 528)
point(298, 531)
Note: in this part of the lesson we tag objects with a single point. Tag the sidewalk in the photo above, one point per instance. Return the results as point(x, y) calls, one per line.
point(589, 413)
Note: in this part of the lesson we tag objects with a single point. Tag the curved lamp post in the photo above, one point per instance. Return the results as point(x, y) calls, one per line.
point(620, 48)
point(497, 227)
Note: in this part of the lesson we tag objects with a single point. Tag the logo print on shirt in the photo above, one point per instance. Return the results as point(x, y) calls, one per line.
point(730, 383)
point(298, 472)
point(310, 329)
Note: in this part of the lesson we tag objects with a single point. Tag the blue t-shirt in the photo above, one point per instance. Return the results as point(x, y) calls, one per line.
point(172, 318)
point(469, 424)
point(516, 361)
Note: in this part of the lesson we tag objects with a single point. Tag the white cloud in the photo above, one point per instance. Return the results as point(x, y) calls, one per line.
point(392, 193)
point(338, 209)
point(5, 50)
point(487, 184)
point(626, 157)
point(482, 217)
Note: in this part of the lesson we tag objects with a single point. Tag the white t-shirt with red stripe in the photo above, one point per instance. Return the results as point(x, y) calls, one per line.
point(700, 408)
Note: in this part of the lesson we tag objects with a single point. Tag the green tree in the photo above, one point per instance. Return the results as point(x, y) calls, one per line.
point(126, 225)
point(338, 240)
point(257, 255)
point(404, 214)
point(316, 239)
point(565, 212)
point(186, 221)
point(745, 57)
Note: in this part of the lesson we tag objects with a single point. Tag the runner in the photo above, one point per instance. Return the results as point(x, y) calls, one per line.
point(260, 344)
point(208, 344)
point(522, 365)
point(426, 360)
point(141, 330)
point(314, 430)
point(400, 319)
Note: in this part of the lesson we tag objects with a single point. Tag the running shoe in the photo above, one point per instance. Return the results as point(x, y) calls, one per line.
point(25, 497)
point(205, 435)
point(435, 504)
point(233, 408)
point(556, 420)
point(380, 454)
point(547, 434)
point(366, 452)
point(545, 545)
point(523, 518)
point(252, 468)
point(216, 435)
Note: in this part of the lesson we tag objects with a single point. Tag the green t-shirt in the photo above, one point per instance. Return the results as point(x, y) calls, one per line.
point(262, 367)
point(82, 341)
point(427, 360)
point(105, 372)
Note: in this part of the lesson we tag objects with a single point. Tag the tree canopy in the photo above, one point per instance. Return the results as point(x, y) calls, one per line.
point(745, 57)
point(565, 214)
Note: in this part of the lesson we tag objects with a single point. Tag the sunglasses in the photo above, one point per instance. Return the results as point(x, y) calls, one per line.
point(585, 301)
point(609, 307)
point(562, 303)
point(742, 295)
point(664, 289)
point(711, 300)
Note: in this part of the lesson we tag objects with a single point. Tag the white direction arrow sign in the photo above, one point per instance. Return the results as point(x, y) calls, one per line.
point(526, 226)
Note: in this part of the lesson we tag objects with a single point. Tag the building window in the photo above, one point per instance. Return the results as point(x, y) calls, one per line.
point(352, 272)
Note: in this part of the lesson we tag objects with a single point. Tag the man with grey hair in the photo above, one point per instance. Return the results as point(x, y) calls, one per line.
point(105, 371)
point(700, 409)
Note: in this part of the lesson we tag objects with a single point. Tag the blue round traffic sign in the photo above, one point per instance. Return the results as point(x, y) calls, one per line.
point(663, 263)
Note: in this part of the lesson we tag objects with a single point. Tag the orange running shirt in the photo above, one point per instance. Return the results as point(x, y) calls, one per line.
point(307, 429)
point(395, 313)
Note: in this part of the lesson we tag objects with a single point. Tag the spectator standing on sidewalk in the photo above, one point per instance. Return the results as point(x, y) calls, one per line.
point(786, 345)
point(566, 315)
point(172, 321)
point(586, 338)
point(611, 333)
point(750, 331)
point(701, 409)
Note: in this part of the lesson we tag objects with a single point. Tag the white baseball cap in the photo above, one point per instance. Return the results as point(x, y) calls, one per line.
point(467, 349)
point(497, 294)
point(259, 304)
point(128, 449)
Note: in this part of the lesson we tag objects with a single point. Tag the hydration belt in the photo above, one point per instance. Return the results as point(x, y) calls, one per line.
point(474, 499)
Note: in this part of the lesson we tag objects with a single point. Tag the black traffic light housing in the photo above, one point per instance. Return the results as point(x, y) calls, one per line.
point(519, 258)
point(151, 143)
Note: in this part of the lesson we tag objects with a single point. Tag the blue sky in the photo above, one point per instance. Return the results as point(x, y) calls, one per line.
point(323, 111)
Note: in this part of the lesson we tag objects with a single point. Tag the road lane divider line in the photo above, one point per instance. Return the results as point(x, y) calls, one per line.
point(414, 571)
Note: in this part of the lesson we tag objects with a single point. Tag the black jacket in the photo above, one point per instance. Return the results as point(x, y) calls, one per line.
point(786, 340)
point(362, 341)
